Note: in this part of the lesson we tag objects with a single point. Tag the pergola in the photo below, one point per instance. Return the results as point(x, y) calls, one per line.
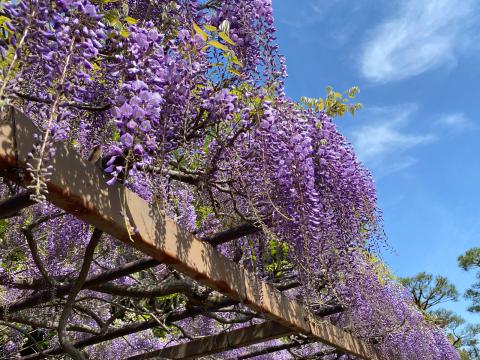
point(78, 186)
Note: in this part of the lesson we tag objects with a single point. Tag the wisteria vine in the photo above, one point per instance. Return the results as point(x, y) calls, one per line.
point(183, 102)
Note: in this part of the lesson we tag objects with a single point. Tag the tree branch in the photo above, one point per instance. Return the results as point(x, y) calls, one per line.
point(23, 332)
point(77, 286)
point(32, 244)
point(22, 319)
point(131, 329)
point(91, 314)
point(236, 320)
point(232, 234)
point(86, 107)
point(11, 206)
point(62, 290)
point(166, 287)
point(271, 349)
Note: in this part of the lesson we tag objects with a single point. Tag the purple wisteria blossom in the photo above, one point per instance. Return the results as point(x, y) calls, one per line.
point(183, 102)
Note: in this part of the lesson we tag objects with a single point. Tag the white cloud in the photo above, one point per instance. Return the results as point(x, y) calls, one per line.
point(398, 165)
point(321, 7)
point(423, 35)
point(456, 122)
point(342, 34)
point(300, 17)
point(314, 12)
point(384, 140)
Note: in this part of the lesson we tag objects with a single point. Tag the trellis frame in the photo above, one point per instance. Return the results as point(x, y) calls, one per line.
point(79, 187)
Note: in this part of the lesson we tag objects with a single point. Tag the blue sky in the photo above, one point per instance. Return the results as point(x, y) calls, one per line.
point(416, 62)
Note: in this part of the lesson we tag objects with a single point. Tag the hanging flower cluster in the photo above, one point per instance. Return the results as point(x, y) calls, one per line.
point(184, 101)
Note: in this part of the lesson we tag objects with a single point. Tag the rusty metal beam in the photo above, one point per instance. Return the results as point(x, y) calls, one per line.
point(79, 187)
point(230, 340)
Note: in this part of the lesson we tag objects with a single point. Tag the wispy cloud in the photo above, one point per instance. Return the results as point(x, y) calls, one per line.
point(321, 7)
point(315, 12)
point(300, 17)
point(457, 122)
point(422, 35)
point(384, 142)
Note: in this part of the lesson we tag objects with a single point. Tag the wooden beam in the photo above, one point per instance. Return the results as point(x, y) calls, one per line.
point(112, 334)
point(79, 187)
point(208, 345)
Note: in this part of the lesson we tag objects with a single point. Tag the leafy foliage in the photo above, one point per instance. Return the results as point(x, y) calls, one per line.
point(471, 261)
point(335, 103)
point(429, 291)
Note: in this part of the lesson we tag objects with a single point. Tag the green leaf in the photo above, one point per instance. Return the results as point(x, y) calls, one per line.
point(200, 32)
point(235, 60)
point(125, 33)
point(320, 104)
point(3, 227)
point(210, 28)
point(125, 8)
point(234, 72)
point(113, 18)
point(131, 20)
point(218, 45)
point(4, 19)
point(226, 38)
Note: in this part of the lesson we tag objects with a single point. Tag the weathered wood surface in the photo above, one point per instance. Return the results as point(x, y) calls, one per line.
point(230, 340)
